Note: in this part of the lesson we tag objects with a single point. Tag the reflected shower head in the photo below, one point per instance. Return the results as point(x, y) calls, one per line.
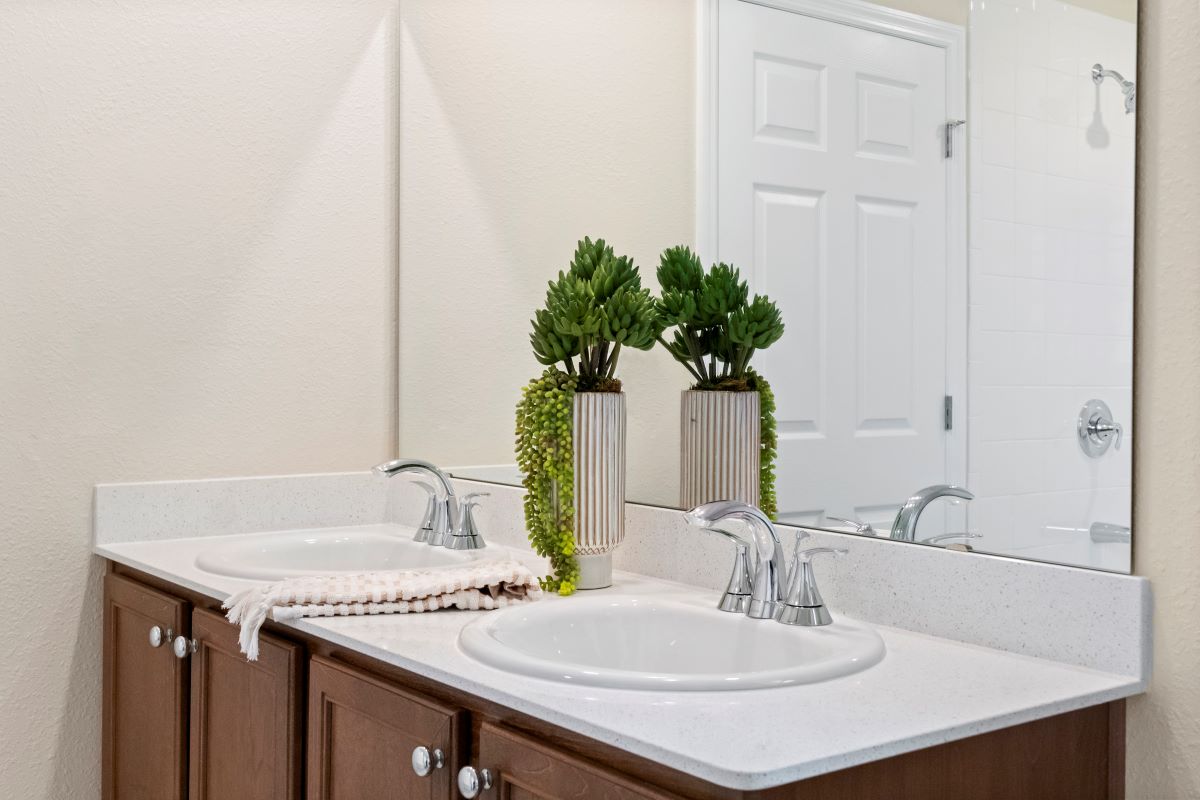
point(1128, 88)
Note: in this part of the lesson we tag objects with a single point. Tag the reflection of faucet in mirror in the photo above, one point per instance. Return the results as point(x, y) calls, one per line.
point(860, 527)
point(905, 526)
point(945, 537)
point(770, 571)
point(1109, 533)
point(445, 521)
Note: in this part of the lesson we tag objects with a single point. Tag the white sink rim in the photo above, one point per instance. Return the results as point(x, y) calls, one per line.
point(858, 646)
point(249, 556)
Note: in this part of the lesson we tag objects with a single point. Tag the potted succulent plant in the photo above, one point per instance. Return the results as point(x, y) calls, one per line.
point(727, 418)
point(571, 418)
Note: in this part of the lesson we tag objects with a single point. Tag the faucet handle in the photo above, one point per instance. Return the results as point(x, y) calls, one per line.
point(804, 604)
point(860, 527)
point(739, 590)
point(431, 510)
point(467, 536)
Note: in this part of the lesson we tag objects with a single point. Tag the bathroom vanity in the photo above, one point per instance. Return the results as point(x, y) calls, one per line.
point(314, 719)
point(393, 706)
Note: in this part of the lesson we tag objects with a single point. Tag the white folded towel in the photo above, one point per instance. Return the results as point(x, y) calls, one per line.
point(477, 586)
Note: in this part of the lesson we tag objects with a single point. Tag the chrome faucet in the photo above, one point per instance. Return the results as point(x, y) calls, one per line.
point(770, 570)
point(946, 537)
point(437, 528)
point(791, 598)
point(905, 526)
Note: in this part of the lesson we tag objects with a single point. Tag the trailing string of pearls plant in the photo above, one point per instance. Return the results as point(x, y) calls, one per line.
point(546, 458)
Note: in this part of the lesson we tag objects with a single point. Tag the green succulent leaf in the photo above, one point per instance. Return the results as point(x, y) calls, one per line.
point(612, 275)
point(679, 270)
point(717, 326)
point(629, 319)
point(677, 307)
point(593, 309)
point(577, 317)
point(722, 291)
point(757, 325)
point(549, 346)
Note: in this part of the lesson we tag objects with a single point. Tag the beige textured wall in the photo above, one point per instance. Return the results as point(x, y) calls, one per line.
point(1164, 725)
point(197, 278)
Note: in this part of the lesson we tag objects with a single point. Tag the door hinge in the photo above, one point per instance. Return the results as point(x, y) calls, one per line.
point(948, 134)
point(948, 412)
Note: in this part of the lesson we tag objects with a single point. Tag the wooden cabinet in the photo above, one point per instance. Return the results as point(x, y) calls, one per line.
point(362, 732)
point(525, 769)
point(239, 721)
point(212, 726)
point(144, 745)
point(246, 716)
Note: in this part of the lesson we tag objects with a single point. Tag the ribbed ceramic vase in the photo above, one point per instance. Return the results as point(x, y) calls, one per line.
point(720, 447)
point(599, 441)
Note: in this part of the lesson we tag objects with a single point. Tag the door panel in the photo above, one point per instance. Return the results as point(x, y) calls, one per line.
point(361, 734)
point(832, 197)
point(526, 769)
point(245, 715)
point(144, 750)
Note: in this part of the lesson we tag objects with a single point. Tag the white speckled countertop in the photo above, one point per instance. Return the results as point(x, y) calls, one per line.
point(926, 691)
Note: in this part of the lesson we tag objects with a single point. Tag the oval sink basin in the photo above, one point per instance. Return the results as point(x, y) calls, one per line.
point(653, 643)
point(273, 556)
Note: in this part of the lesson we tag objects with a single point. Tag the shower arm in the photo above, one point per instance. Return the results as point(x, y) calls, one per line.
point(1128, 87)
point(1099, 73)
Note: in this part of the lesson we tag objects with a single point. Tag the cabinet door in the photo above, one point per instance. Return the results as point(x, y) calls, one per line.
point(362, 733)
point(525, 769)
point(144, 755)
point(245, 715)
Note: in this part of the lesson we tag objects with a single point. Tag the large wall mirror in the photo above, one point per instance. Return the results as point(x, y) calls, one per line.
point(938, 194)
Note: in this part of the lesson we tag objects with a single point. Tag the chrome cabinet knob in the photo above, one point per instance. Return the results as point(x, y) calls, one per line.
point(156, 636)
point(472, 781)
point(425, 761)
point(183, 646)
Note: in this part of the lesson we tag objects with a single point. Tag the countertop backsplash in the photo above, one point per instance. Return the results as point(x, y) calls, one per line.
point(1081, 617)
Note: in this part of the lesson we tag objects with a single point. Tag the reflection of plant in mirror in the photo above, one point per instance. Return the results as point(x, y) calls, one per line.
point(718, 327)
point(546, 458)
point(768, 440)
point(593, 310)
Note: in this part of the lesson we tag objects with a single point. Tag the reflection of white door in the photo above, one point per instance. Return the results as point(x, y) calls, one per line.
point(832, 187)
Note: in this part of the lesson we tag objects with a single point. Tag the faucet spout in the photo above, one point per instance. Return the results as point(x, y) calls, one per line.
point(905, 526)
point(770, 571)
point(447, 521)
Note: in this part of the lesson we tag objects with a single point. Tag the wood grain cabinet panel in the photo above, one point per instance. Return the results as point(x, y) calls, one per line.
point(246, 716)
point(362, 732)
point(526, 769)
point(144, 739)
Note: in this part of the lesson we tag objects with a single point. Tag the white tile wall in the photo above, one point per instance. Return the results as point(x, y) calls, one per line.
point(1051, 269)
